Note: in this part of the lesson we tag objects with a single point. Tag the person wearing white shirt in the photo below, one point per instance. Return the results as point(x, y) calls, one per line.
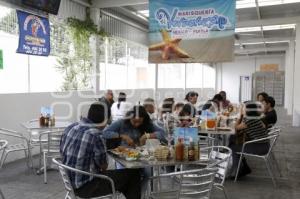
point(120, 108)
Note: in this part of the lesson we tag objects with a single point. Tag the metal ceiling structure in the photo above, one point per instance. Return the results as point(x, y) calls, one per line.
point(258, 22)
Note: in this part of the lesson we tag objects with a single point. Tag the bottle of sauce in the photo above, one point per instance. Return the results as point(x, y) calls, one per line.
point(42, 120)
point(179, 150)
point(191, 150)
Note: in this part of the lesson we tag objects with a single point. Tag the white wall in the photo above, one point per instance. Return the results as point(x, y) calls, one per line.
point(231, 72)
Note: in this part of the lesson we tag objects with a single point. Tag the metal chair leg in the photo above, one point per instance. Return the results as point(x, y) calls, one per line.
point(1, 195)
point(45, 167)
point(238, 169)
point(3, 159)
point(276, 163)
point(225, 192)
point(270, 172)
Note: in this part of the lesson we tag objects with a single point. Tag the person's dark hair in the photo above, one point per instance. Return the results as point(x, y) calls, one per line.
point(139, 111)
point(270, 100)
point(98, 112)
point(253, 109)
point(263, 94)
point(187, 110)
point(217, 98)
point(222, 92)
point(178, 105)
point(148, 101)
point(190, 94)
point(121, 98)
point(167, 106)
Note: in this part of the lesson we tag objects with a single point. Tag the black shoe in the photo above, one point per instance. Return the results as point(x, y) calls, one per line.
point(244, 171)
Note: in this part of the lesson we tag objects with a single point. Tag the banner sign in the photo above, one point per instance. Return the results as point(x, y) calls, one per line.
point(1, 59)
point(34, 38)
point(191, 31)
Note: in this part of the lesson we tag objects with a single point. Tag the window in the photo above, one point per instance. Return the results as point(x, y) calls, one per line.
point(14, 75)
point(26, 73)
point(194, 75)
point(209, 77)
point(171, 75)
point(124, 65)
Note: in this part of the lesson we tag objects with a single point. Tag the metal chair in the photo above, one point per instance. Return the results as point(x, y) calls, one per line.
point(22, 145)
point(195, 183)
point(272, 137)
point(221, 156)
point(49, 149)
point(3, 144)
point(70, 191)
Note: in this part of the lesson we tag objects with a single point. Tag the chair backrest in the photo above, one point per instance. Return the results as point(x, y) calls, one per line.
point(67, 183)
point(65, 178)
point(3, 144)
point(198, 183)
point(13, 134)
point(273, 136)
point(219, 157)
point(52, 144)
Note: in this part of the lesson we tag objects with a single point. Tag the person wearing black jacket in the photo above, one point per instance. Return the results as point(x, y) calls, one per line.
point(270, 117)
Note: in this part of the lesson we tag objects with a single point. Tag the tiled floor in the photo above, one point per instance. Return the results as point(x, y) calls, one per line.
point(17, 182)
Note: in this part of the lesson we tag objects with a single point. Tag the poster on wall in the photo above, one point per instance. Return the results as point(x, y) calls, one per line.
point(191, 31)
point(1, 59)
point(34, 38)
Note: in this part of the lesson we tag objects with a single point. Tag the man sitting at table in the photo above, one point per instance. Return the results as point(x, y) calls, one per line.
point(82, 147)
point(270, 117)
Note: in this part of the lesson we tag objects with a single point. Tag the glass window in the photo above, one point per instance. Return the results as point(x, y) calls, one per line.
point(44, 76)
point(209, 77)
point(124, 65)
point(194, 75)
point(64, 70)
point(14, 75)
point(171, 76)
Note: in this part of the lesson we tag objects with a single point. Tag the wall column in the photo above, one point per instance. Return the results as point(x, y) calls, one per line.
point(289, 77)
point(296, 86)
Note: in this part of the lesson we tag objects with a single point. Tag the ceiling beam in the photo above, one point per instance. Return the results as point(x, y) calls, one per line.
point(117, 3)
point(266, 22)
point(269, 49)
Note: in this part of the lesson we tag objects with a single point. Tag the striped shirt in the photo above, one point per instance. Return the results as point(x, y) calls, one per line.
point(83, 148)
point(255, 129)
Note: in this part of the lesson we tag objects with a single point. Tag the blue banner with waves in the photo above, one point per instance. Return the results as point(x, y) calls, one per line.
point(189, 31)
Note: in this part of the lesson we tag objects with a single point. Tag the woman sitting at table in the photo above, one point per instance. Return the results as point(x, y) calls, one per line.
point(186, 116)
point(248, 127)
point(135, 128)
point(213, 105)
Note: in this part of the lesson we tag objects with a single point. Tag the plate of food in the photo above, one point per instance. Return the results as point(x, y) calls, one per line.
point(132, 155)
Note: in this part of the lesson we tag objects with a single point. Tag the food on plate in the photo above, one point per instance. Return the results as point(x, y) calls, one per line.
point(121, 149)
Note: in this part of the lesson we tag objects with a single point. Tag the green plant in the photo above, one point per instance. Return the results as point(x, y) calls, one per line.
point(76, 64)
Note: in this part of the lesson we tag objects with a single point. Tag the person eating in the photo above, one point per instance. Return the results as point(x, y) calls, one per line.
point(135, 128)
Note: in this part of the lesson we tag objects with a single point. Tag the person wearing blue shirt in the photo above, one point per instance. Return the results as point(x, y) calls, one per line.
point(135, 128)
point(82, 147)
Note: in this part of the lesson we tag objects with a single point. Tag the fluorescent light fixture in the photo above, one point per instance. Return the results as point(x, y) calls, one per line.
point(253, 43)
point(275, 2)
point(245, 4)
point(251, 3)
point(144, 12)
point(280, 27)
point(248, 29)
point(277, 42)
